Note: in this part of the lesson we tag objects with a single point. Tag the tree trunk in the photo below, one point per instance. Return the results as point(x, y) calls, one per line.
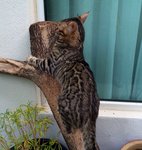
point(48, 85)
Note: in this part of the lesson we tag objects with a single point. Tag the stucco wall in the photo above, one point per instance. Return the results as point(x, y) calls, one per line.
point(15, 19)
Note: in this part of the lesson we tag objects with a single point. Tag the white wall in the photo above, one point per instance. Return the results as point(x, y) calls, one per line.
point(118, 123)
point(113, 133)
point(15, 19)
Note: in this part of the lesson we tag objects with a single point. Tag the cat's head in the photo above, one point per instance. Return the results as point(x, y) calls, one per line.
point(71, 31)
point(50, 35)
point(68, 33)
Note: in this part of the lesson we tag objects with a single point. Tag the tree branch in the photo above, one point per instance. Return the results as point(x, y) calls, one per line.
point(19, 68)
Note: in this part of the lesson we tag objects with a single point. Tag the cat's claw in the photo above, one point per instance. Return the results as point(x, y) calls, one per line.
point(32, 60)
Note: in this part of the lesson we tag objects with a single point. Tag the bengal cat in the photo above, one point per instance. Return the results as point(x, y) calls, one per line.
point(78, 102)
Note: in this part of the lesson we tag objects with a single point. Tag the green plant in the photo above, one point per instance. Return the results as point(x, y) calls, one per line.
point(23, 129)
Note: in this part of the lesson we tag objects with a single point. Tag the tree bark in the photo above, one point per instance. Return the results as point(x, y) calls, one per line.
point(48, 85)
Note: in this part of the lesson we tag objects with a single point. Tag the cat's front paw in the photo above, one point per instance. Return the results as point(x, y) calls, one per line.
point(32, 60)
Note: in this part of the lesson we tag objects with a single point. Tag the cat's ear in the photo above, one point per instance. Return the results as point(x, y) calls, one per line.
point(83, 17)
point(71, 28)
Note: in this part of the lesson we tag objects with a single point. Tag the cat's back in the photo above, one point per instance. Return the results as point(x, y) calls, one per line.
point(80, 88)
point(78, 76)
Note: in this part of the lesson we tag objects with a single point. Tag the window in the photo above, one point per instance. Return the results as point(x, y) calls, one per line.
point(113, 43)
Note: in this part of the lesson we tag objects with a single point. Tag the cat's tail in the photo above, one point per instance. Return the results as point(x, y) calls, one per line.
point(89, 136)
